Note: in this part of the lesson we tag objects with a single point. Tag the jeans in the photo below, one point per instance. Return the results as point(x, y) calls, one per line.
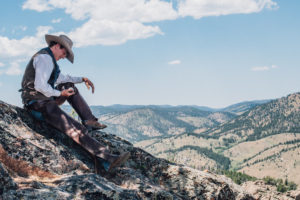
point(56, 117)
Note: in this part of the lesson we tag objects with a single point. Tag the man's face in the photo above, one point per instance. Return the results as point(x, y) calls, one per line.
point(59, 52)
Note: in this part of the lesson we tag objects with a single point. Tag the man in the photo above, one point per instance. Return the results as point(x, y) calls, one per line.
point(44, 88)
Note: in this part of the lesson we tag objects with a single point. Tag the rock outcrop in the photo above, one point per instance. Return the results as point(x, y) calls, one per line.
point(262, 191)
point(38, 162)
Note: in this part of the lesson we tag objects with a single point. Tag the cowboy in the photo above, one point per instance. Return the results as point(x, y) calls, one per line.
point(44, 88)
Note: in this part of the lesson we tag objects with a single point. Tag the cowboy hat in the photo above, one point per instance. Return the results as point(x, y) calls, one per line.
point(64, 41)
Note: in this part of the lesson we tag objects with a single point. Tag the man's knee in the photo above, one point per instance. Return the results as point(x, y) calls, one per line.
point(51, 107)
point(64, 86)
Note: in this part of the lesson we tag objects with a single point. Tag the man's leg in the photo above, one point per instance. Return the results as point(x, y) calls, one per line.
point(81, 107)
point(57, 118)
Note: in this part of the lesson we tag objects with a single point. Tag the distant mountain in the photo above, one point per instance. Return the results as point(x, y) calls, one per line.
point(242, 107)
point(146, 122)
point(278, 116)
point(238, 108)
point(140, 122)
point(263, 141)
point(205, 108)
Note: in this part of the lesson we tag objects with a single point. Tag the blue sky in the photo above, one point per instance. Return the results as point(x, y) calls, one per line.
point(181, 52)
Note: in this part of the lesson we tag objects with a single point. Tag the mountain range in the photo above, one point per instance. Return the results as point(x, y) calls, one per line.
point(37, 161)
point(263, 141)
point(260, 137)
point(141, 122)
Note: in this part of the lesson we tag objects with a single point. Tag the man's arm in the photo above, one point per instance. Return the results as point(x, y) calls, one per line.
point(43, 68)
point(67, 78)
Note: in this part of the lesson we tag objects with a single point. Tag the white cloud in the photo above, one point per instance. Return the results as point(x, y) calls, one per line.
point(1, 64)
point(38, 5)
point(203, 8)
point(174, 62)
point(264, 68)
point(97, 32)
point(55, 21)
point(23, 28)
point(113, 22)
point(18, 28)
point(14, 68)
point(25, 46)
point(116, 10)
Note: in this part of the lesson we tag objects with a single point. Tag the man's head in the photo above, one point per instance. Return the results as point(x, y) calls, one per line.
point(61, 47)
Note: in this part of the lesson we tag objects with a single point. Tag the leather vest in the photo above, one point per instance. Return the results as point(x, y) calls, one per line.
point(28, 91)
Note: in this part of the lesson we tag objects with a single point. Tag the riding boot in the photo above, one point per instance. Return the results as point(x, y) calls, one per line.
point(81, 107)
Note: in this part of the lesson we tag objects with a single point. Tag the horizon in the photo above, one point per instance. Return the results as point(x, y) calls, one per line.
point(66, 104)
point(163, 52)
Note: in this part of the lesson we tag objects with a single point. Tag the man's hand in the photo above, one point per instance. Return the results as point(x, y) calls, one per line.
point(89, 84)
point(67, 92)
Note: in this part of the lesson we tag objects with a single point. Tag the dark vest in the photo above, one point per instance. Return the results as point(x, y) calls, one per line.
point(28, 91)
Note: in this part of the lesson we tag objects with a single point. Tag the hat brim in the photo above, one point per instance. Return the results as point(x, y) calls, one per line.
point(50, 38)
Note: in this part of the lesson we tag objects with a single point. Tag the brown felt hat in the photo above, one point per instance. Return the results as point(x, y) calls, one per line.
point(64, 41)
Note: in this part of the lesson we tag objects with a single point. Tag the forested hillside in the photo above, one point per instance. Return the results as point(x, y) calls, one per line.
point(263, 141)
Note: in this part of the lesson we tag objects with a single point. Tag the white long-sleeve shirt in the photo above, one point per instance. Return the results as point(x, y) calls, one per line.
point(44, 66)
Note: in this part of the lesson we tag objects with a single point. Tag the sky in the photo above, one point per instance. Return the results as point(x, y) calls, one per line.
point(177, 52)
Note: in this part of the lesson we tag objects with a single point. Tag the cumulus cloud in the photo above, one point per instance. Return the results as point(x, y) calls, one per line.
point(25, 46)
point(23, 28)
point(14, 68)
point(115, 22)
point(174, 62)
point(203, 8)
point(264, 68)
point(37, 5)
point(18, 29)
point(274, 66)
point(96, 32)
point(111, 22)
point(55, 21)
point(115, 10)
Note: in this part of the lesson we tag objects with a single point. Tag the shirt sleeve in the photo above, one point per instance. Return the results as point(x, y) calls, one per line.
point(43, 66)
point(67, 78)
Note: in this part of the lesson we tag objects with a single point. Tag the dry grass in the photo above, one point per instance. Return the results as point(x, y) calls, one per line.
point(22, 168)
point(245, 150)
point(281, 167)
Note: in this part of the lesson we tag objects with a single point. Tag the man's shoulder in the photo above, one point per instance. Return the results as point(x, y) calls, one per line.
point(43, 56)
point(43, 60)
